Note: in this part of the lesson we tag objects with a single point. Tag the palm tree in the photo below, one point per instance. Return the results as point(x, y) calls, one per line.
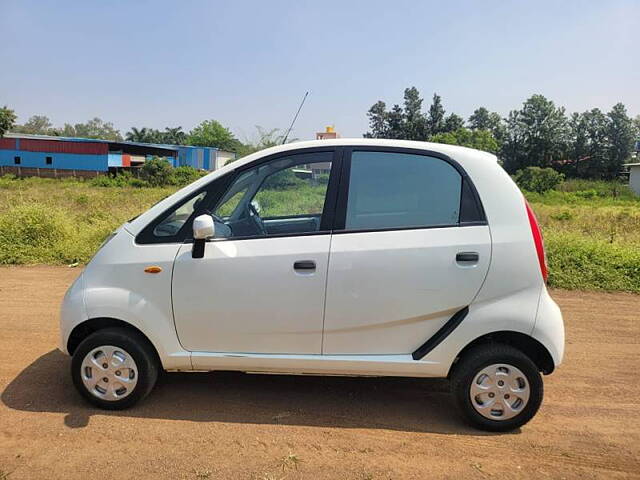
point(135, 135)
point(174, 136)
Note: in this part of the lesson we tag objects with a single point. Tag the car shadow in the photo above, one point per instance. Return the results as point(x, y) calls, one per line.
point(403, 404)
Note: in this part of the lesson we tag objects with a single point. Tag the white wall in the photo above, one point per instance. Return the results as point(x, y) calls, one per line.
point(634, 178)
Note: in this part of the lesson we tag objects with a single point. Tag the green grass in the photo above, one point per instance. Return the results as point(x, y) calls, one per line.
point(591, 229)
point(63, 221)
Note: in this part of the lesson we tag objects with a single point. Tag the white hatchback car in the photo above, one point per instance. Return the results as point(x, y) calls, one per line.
point(335, 257)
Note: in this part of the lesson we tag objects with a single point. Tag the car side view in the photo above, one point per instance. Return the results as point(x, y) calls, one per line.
point(335, 257)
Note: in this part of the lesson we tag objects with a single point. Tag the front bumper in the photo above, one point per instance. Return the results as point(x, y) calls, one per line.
point(72, 312)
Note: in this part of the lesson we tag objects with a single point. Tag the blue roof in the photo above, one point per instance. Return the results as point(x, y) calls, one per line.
point(99, 140)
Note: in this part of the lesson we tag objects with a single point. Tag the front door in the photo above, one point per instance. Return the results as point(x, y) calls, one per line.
point(411, 248)
point(260, 287)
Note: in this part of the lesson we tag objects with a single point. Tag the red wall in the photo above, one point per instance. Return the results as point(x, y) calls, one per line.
point(59, 146)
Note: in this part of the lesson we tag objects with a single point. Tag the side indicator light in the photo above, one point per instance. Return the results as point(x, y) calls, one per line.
point(153, 269)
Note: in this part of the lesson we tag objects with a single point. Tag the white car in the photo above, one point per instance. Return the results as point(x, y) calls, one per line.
point(335, 257)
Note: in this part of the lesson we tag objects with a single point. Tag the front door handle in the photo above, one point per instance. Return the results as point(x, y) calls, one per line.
point(304, 265)
point(467, 257)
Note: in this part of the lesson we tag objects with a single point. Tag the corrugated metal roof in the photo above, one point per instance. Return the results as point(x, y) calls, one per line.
point(98, 140)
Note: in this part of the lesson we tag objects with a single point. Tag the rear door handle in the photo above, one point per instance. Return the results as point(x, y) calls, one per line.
point(304, 265)
point(467, 257)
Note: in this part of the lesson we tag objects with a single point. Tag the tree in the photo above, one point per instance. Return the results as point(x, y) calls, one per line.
point(377, 120)
point(264, 139)
point(396, 127)
point(36, 125)
point(141, 135)
point(211, 133)
point(173, 136)
point(453, 122)
point(622, 136)
point(7, 120)
point(478, 139)
point(414, 122)
point(536, 135)
point(482, 119)
point(435, 117)
point(479, 119)
point(94, 128)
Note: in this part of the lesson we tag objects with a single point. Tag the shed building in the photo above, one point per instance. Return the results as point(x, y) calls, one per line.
point(44, 155)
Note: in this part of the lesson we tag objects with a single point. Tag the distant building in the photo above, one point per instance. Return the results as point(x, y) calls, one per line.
point(48, 156)
point(328, 134)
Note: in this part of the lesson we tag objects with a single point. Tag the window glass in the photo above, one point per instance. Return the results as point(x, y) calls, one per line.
point(285, 196)
point(172, 224)
point(399, 190)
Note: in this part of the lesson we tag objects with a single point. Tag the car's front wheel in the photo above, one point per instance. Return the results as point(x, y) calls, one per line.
point(114, 368)
point(497, 387)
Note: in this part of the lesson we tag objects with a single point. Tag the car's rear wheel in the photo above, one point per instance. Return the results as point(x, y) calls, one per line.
point(497, 387)
point(114, 368)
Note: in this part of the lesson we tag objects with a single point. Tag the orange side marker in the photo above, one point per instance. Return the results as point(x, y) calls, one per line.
point(153, 269)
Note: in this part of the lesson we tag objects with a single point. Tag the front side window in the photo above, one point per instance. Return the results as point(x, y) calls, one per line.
point(399, 190)
point(174, 221)
point(283, 197)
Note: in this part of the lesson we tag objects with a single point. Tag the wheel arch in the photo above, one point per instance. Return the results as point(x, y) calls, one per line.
point(528, 345)
point(86, 328)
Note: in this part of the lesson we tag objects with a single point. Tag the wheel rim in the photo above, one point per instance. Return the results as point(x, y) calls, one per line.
point(499, 391)
point(109, 373)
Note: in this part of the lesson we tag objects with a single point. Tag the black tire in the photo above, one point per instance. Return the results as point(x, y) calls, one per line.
point(483, 356)
point(133, 343)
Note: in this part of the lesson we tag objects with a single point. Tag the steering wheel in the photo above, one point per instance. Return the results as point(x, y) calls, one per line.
point(257, 221)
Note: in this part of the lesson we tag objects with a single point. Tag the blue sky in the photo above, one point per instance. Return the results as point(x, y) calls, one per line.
point(247, 63)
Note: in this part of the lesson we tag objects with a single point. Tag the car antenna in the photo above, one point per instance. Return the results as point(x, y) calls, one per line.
point(284, 140)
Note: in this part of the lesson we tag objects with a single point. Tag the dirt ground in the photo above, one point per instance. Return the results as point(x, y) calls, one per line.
point(237, 426)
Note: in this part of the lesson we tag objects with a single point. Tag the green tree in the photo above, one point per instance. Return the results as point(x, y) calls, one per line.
point(483, 119)
point(142, 135)
point(622, 136)
point(94, 128)
point(480, 119)
point(414, 122)
point(377, 120)
point(453, 122)
point(173, 136)
point(435, 117)
point(263, 139)
point(478, 139)
point(211, 133)
point(36, 125)
point(7, 120)
point(536, 135)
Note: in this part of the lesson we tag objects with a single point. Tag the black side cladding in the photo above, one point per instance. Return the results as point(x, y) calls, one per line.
point(441, 334)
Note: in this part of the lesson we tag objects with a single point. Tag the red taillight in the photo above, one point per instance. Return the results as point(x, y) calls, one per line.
point(537, 239)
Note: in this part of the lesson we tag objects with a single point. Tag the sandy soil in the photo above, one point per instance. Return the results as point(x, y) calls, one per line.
point(238, 426)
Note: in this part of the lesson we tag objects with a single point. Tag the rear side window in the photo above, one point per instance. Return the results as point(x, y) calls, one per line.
point(402, 190)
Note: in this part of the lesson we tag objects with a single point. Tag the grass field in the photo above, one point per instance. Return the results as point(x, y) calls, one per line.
point(591, 229)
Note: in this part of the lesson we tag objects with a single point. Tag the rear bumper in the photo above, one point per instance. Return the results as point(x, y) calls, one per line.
point(549, 327)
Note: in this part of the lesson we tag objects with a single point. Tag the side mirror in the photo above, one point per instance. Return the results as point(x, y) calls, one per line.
point(203, 228)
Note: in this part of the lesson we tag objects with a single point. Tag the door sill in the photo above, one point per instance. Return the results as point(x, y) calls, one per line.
point(357, 365)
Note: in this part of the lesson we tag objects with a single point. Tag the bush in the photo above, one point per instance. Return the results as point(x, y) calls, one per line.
point(579, 262)
point(539, 180)
point(184, 175)
point(34, 234)
point(157, 172)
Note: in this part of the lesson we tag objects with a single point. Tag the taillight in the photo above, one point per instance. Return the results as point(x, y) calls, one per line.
point(537, 239)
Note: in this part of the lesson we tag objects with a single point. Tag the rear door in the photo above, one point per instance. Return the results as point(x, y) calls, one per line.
point(410, 248)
